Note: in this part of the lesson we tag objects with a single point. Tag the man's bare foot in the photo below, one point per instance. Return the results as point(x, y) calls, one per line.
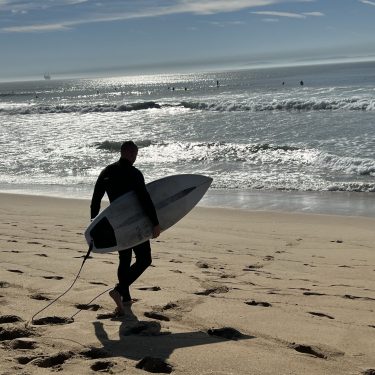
point(116, 296)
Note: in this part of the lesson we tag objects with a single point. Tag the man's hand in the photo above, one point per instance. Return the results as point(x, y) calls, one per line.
point(156, 231)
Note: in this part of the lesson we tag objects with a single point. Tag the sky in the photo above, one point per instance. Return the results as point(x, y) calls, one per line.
point(106, 37)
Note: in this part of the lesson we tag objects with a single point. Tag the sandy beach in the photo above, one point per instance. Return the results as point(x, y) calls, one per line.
point(229, 292)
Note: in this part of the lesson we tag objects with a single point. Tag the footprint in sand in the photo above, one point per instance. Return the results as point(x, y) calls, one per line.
point(254, 303)
point(97, 283)
point(92, 307)
point(54, 360)
point(94, 353)
point(23, 344)
point(4, 284)
point(169, 306)
point(15, 271)
point(315, 351)
point(203, 265)
point(53, 277)
point(216, 290)
point(53, 320)
point(321, 315)
point(11, 333)
point(227, 276)
point(103, 366)
point(268, 258)
point(253, 267)
point(10, 319)
point(155, 365)
point(313, 294)
point(175, 261)
point(24, 360)
point(349, 296)
point(307, 349)
point(156, 315)
point(40, 297)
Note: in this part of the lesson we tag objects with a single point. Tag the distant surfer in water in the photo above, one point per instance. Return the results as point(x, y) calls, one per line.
point(115, 180)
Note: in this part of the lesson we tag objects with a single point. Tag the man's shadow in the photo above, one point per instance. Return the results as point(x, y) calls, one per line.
point(140, 339)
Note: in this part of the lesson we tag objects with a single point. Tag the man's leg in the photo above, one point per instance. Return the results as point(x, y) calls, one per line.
point(121, 291)
point(125, 258)
point(128, 274)
point(143, 260)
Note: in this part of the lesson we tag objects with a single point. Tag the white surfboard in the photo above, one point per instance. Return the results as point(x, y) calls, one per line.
point(124, 224)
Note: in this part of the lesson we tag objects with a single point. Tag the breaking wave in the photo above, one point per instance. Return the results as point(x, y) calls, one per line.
point(114, 146)
point(259, 155)
point(351, 104)
point(85, 108)
point(252, 105)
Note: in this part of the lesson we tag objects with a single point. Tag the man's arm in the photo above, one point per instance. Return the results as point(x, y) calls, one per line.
point(99, 191)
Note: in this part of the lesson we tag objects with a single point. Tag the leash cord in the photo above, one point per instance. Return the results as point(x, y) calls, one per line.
point(71, 286)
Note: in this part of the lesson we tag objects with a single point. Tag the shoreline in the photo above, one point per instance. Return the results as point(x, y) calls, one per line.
point(355, 204)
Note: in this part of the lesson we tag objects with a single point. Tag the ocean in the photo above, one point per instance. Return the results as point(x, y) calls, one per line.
point(292, 138)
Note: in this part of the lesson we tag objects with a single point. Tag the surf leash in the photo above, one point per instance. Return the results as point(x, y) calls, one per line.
point(71, 286)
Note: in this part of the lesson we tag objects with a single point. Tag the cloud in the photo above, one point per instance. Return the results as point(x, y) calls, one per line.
point(287, 14)
point(314, 14)
point(219, 6)
point(35, 28)
point(84, 11)
point(367, 2)
point(280, 14)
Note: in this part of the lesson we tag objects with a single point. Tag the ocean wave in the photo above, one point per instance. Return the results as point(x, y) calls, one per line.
point(114, 146)
point(351, 104)
point(84, 108)
point(251, 105)
point(348, 165)
point(352, 187)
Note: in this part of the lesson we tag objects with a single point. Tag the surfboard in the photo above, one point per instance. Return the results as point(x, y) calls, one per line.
point(123, 224)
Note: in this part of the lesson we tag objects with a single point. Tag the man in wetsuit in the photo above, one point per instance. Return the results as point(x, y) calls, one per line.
point(115, 180)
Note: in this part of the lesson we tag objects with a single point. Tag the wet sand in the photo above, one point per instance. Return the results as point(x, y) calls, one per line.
point(229, 292)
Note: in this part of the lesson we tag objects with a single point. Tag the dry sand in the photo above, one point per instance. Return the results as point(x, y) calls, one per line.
point(295, 292)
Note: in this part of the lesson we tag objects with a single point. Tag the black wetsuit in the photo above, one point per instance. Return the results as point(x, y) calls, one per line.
point(115, 180)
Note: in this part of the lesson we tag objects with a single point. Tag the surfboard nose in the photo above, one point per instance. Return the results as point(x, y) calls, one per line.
point(199, 179)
